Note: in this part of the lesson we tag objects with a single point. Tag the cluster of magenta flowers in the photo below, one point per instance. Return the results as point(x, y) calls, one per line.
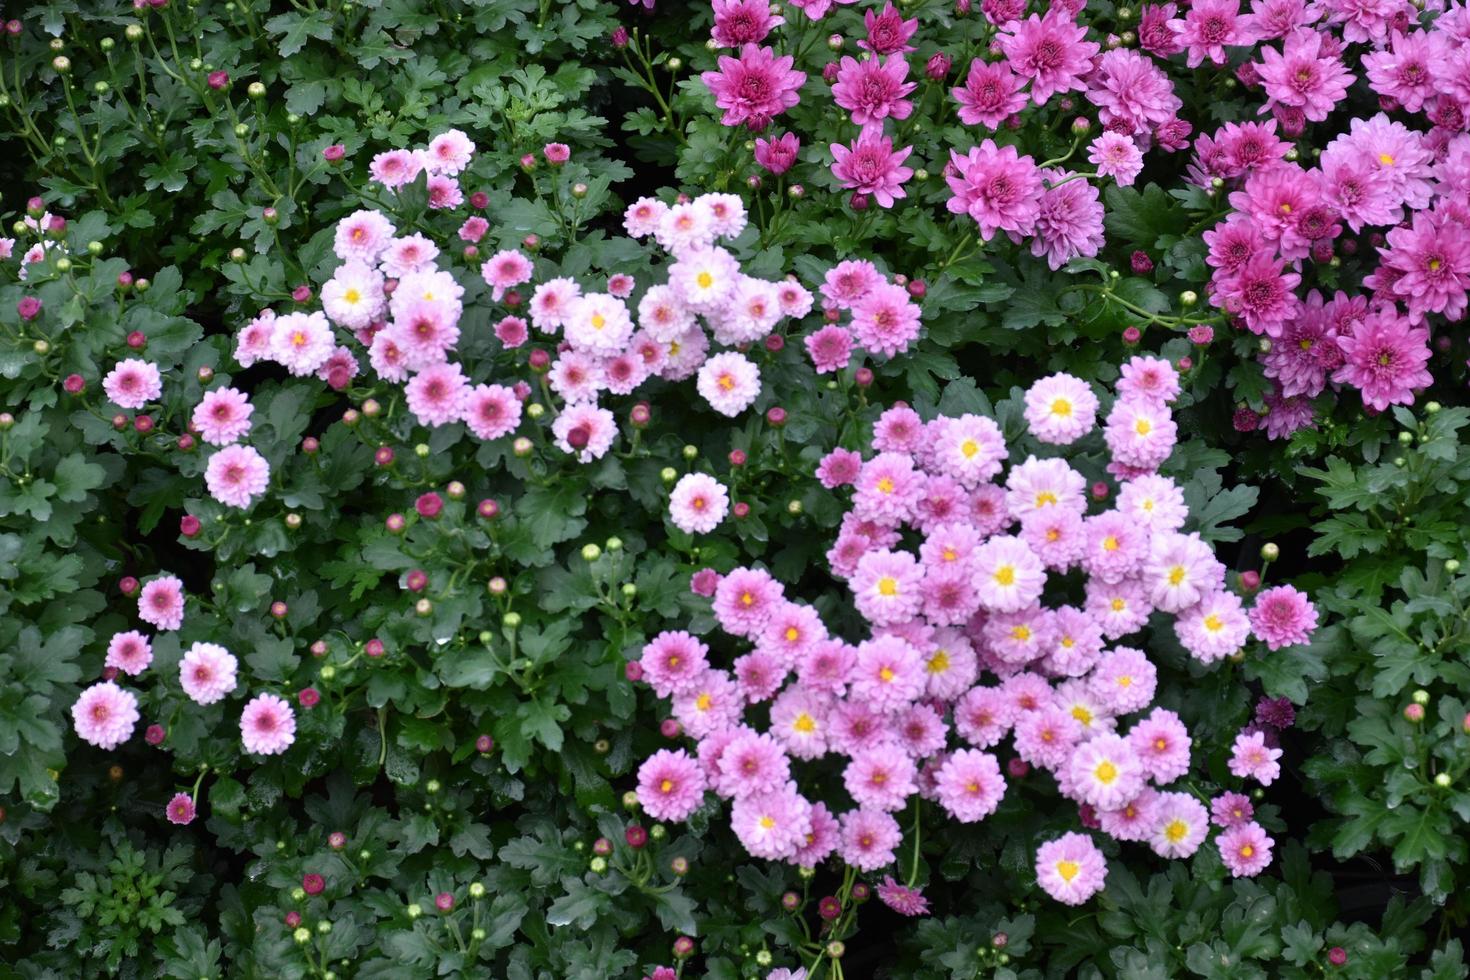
point(958, 563)
point(106, 713)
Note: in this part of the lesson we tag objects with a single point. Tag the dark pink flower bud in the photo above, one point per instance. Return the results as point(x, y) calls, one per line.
point(829, 72)
point(775, 343)
point(336, 840)
point(143, 424)
point(383, 456)
point(374, 648)
point(1132, 335)
point(429, 505)
point(829, 908)
point(1141, 264)
point(1099, 491)
point(704, 582)
point(189, 526)
point(334, 153)
point(479, 200)
point(633, 671)
point(155, 734)
point(1245, 420)
point(636, 836)
point(776, 416)
point(301, 294)
point(137, 340)
point(737, 457)
point(858, 201)
point(310, 445)
point(309, 697)
point(741, 509)
point(293, 919)
point(488, 509)
point(119, 421)
point(683, 948)
point(670, 728)
point(279, 609)
point(1337, 956)
point(127, 585)
point(417, 580)
point(109, 673)
point(602, 847)
point(1201, 335)
point(641, 414)
point(218, 79)
point(1184, 364)
point(484, 744)
point(861, 892)
point(74, 384)
point(918, 288)
point(29, 308)
point(1017, 767)
point(863, 377)
point(528, 162)
point(1250, 580)
point(124, 280)
point(938, 65)
point(318, 648)
point(313, 884)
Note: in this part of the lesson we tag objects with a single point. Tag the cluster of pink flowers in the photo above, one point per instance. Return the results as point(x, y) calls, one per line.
point(883, 318)
point(948, 555)
point(105, 714)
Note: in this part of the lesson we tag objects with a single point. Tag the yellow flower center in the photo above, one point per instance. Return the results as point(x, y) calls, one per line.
point(1110, 543)
point(598, 321)
point(726, 382)
point(950, 554)
point(1213, 624)
point(667, 786)
point(1118, 605)
point(1176, 575)
point(792, 633)
point(1125, 681)
point(972, 787)
point(298, 339)
point(1386, 159)
point(352, 296)
point(969, 447)
point(1082, 714)
point(1106, 773)
point(888, 586)
point(705, 280)
point(1045, 497)
point(1434, 265)
point(886, 674)
point(1246, 850)
point(1176, 830)
point(703, 702)
point(1005, 575)
point(1068, 869)
point(747, 599)
point(1161, 744)
point(768, 822)
point(885, 485)
point(1020, 633)
point(1143, 427)
point(939, 663)
point(804, 723)
point(1061, 407)
point(1052, 534)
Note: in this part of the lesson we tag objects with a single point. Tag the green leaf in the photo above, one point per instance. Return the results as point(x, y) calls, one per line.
point(75, 476)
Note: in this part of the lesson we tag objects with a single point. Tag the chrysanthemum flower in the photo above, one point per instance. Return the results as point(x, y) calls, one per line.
point(1282, 617)
point(1245, 848)
point(491, 411)
point(585, 431)
point(302, 342)
point(1060, 409)
point(1008, 575)
point(161, 603)
point(104, 715)
point(874, 89)
point(889, 674)
point(730, 382)
point(992, 93)
point(886, 587)
point(752, 764)
point(180, 809)
point(223, 416)
point(871, 165)
point(881, 778)
point(869, 838)
point(1071, 869)
point(670, 785)
point(745, 601)
point(698, 503)
point(970, 785)
point(133, 383)
point(772, 825)
point(755, 87)
point(1180, 826)
point(130, 652)
point(1162, 745)
point(207, 672)
point(267, 725)
point(673, 661)
point(1213, 628)
point(1104, 772)
point(1252, 758)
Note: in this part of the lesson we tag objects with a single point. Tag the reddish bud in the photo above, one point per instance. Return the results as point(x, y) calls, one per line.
point(488, 509)
point(1250, 580)
point(374, 648)
point(776, 416)
point(416, 580)
point(741, 509)
point(429, 505)
point(301, 294)
point(775, 342)
point(383, 456)
point(334, 153)
point(636, 836)
point(128, 585)
point(189, 526)
point(641, 414)
point(1140, 263)
point(670, 728)
point(144, 424)
point(136, 340)
point(484, 745)
point(155, 734)
point(293, 919)
point(74, 384)
point(279, 609)
point(218, 79)
point(479, 200)
point(29, 307)
point(633, 671)
point(737, 457)
point(309, 697)
point(863, 377)
point(313, 884)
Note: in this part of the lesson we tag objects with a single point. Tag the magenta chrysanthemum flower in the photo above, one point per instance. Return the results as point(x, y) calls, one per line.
point(505, 269)
point(1051, 51)
point(133, 383)
point(992, 93)
point(881, 777)
point(1209, 27)
point(745, 600)
point(161, 603)
point(223, 416)
point(671, 785)
point(267, 725)
point(1303, 76)
point(901, 898)
point(830, 348)
point(492, 411)
point(1384, 357)
point(104, 715)
point(207, 672)
point(741, 22)
point(888, 675)
point(1261, 293)
point(180, 809)
point(1283, 617)
point(1252, 758)
point(872, 166)
point(236, 475)
point(129, 652)
point(1069, 220)
point(969, 785)
point(996, 186)
point(698, 503)
point(874, 89)
point(1133, 95)
point(751, 764)
point(839, 468)
point(1405, 71)
point(888, 32)
point(1071, 869)
point(754, 88)
point(1245, 848)
point(885, 321)
point(778, 153)
point(869, 839)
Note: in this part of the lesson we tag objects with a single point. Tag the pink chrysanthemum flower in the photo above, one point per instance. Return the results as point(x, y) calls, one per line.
point(1384, 357)
point(889, 674)
point(1148, 377)
point(887, 587)
point(752, 764)
point(267, 725)
point(1008, 575)
point(1245, 849)
point(254, 341)
point(849, 281)
point(881, 778)
point(983, 716)
point(302, 342)
point(161, 603)
point(1051, 51)
point(1252, 758)
point(1104, 772)
point(772, 825)
point(1180, 827)
point(992, 93)
point(698, 503)
point(577, 377)
point(997, 187)
point(969, 785)
point(1069, 220)
point(642, 217)
point(1209, 27)
point(799, 721)
point(746, 599)
point(207, 672)
point(885, 321)
point(969, 448)
point(1162, 744)
point(1134, 820)
point(729, 382)
point(1180, 570)
point(777, 154)
point(133, 383)
point(872, 166)
point(1117, 156)
point(504, 270)
point(1047, 737)
point(437, 394)
point(1038, 484)
point(1140, 434)
point(1116, 546)
point(1231, 809)
point(869, 839)
point(830, 348)
point(180, 809)
point(1071, 869)
point(1405, 72)
point(223, 416)
point(754, 88)
point(901, 898)
point(1124, 680)
point(236, 475)
point(874, 89)
point(741, 22)
point(1077, 643)
point(1303, 76)
point(362, 235)
point(670, 785)
point(673, 662)
point(1153, 502)
point(585, 431)
point(1060, 409)
point(1261, 293)
point(492, 411)
point(839, 468)
point(104, 715)
point(888, 32)
point(551, 303)
point(1133, 95)
point(353, 297)
point(395, 168)
point(1213, 628)
point(821, 840)
point(450, 152)
point(1283, 617)
point(598, 323)
point(129, 652)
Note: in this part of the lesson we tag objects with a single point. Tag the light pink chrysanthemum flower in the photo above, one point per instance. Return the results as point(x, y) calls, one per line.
point(180, 809)
point(552, 302)
point(207, 672)
point(505, 269)
point(254, 341)
point(104, 715)
point(869, 838)
point(887, 587)
point(302, 342)
point(395, 168)
point(1104, 772)
point(1117, 156)
point(1132, 93)
point(1245, 849)
point(698, 503)
point(670, 785)
point(133, 383)
point(437, 394)
point(1124, 680)
point(353, 297)
point(1162, 745)
point(752, 763)
point(1069, 220)
point(362, 235)
point(223, 416)
point(1282, 617)
point(685, 227)
point(450, 152)
point(1231, 809)
point(1252, 758)
point(236, 475)
point(586, 431)
point(129, 652)
point(772, 825)
point(161, 603)
point(1153, 502)
point(889, 674)
point(1140, 433)
point(830, 348)
point(1134, 820)
point(969, 785)
point(704, 279)
point(1038, 484)
point(901, 898)
point(1060, 409)
point(1180, 570)
point(1213, 628)
point(598, 324)
point(881, 777)
point(1047, 737)
point(642, 217)
point(885, 321)
point(491, 411)
point(727, 214)
point(267, 725)
point(1008, 575)
point(730, 382)
point(1071, 869)
point(1180, 827)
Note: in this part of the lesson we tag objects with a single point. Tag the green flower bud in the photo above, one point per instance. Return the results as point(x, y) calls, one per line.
point(1452, 565)
point(432, 786)
point(414, 910)
point(674, 64)
point(63, 264)
point(94, 248)
point(668, 474)
point(658, 831)
point(421, 450)
point(1406, 437)
point(328, 672)
point(598, 865)
point(1442, 780)
point(41, 347)
point(107, 44)
point(242, 130)
point(364, 855)
point(1188, 298)
point(1421, 696)
point(485, 637)
point(590, 552)
point(477, 890)
point(302, 935)
point(691, 452)
point(133, 33)
point(101, 88)
point(1270, 551)
point(630, 800)
point(298, 894)
point(615, 543)
point(763, 958)
point(512, 620)
point(1431, 407)
point(255, 90)
point(629, 590)
point(793, 507)
point(535, 410)
point(477, 934)
point(324, 927)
